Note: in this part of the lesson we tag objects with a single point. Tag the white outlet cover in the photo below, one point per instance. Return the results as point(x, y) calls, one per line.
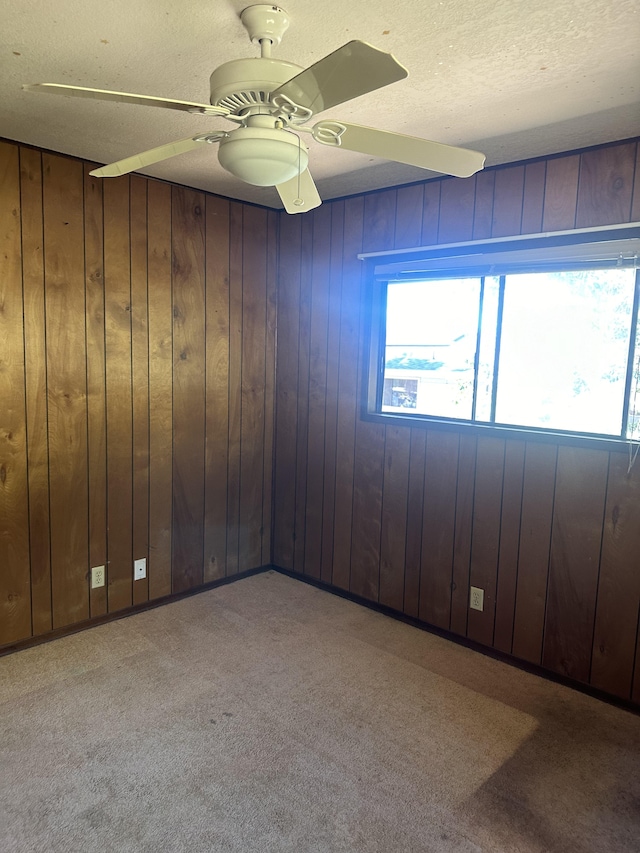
point(97, 577)
point(476, 598)
point(140, 569)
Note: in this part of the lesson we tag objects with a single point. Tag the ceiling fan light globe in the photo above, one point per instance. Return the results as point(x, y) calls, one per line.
point(262, 157)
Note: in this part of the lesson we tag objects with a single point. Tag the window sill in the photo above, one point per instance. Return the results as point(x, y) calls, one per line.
point(513, 433)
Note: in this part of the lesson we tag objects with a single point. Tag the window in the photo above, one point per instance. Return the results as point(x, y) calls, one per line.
point(535, 333)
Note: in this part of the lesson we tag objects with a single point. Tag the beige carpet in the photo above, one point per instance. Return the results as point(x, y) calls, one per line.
point(270, 716)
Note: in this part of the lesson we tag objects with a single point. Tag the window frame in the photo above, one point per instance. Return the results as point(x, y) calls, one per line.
point(608, 246)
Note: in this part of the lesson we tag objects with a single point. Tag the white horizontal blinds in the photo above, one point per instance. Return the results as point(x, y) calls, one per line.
point(614, 246)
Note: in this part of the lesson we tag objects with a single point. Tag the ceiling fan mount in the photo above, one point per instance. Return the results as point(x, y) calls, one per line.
point(272, 100)
point(264, 22)
point(244, 84)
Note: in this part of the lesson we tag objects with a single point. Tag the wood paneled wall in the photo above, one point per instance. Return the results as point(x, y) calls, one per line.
point(410, 517)
point(137, 369)
point(137, 394)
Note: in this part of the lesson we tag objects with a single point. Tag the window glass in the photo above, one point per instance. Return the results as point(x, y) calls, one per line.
point(543, 350)
point(432, 331)
point(564, 350)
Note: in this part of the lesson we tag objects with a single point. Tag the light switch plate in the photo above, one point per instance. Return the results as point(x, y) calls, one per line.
point(140, 569)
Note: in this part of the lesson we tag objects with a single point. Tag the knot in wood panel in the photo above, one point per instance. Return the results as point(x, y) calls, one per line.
point(615, 515)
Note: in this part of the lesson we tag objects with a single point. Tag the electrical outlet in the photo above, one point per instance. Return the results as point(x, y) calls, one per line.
point(140, 569)
point(97, 577)
point(476, 599)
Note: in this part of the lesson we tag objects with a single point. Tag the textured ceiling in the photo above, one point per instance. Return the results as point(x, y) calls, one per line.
point(513, 79)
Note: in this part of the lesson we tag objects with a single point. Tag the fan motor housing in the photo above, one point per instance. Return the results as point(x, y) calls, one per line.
point(244, 83)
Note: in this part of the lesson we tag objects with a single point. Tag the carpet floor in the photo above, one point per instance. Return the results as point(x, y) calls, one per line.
point(268, 715)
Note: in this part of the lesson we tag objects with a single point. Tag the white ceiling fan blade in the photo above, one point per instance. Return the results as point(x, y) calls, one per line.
point(299, 194)
point(125, 98)
point(461, 162)
point(154, 155)
point(354, 69)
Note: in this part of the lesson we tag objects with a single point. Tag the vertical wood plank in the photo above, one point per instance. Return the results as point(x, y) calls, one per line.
point(618, 601)
point(140, 380)
point(431, 212)
point(394, 516)
point(367, 510)
point(67, 387)
point(509, 194)
point(575, 555)
point(36, 386)
point(302, 396)
point(439, 507)
point(413, 547)
point(635, 200)
point(117, 282)
point(347, 389)
point(380, 214)
point(606, 185)
point(96, 385)
point(160, 389)
point(379, 232)
point(409, 211)
point(484, 203)
point(533, 200)
point(485, 536)
point(217, 388)
point(462, 535)
point(254, 318)
point(561, 193)
point(457, 197)
point(235, 386)
point(318, 338)
point(509, 541)
point(270, 379)
point(15, 580)
point(188, 265)
point(331, 397)
point(286, 386)
point(533, 557)
point(635, 693)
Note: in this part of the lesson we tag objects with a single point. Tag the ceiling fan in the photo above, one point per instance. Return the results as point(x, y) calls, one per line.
point(272, 100)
